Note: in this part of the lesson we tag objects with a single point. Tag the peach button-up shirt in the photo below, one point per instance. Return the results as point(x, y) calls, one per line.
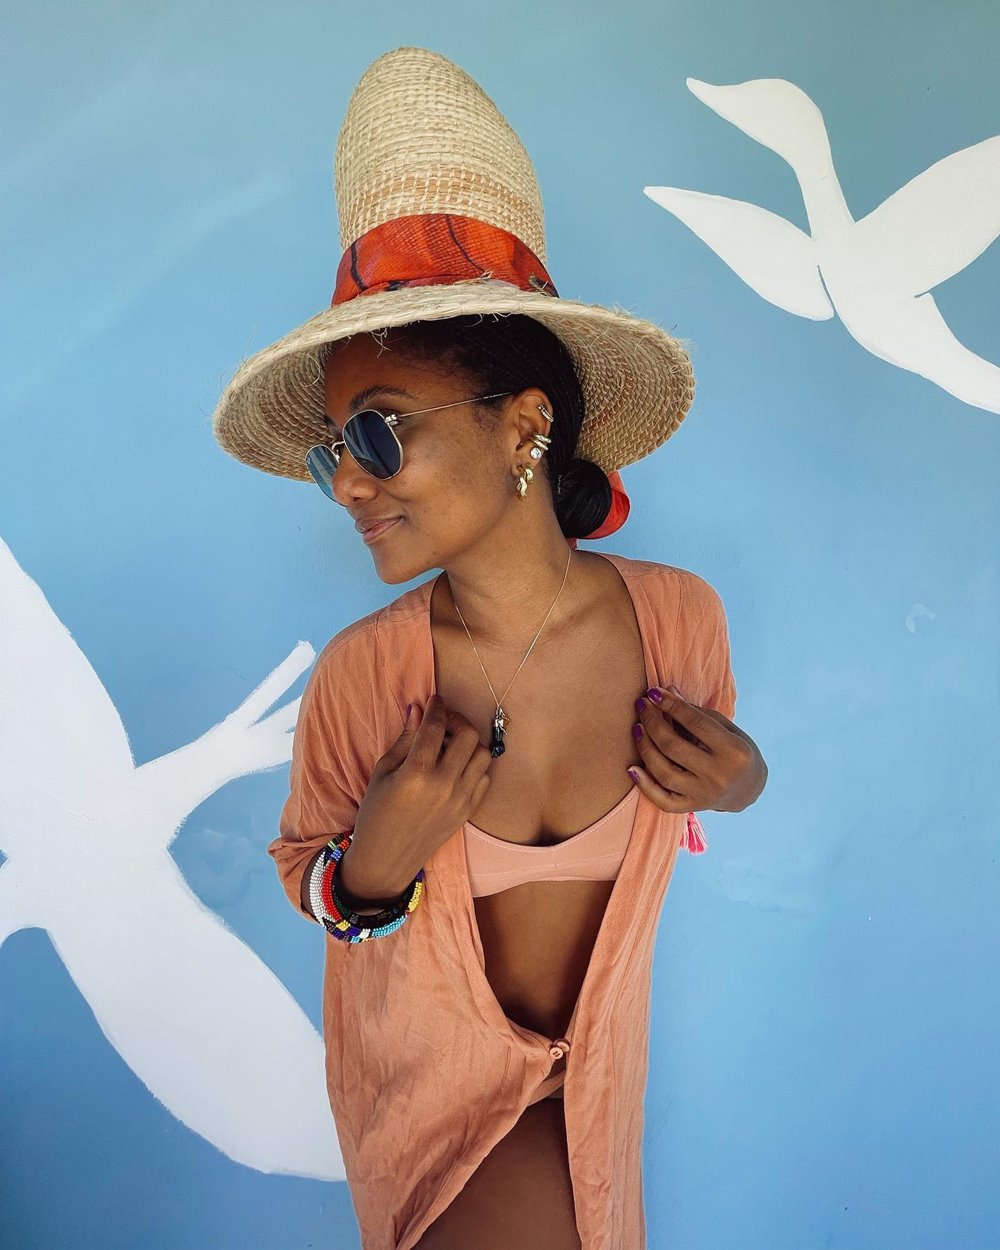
point(425, 1073)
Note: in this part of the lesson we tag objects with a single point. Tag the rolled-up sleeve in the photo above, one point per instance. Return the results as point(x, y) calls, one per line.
point(326, 778)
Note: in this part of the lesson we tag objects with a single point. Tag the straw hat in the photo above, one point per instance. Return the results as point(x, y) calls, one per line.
point(440, 216)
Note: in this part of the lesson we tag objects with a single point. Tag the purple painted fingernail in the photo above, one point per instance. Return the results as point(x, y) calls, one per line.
point(640, 703)
point(633, 774)
point(637, 732)
point(654, 694)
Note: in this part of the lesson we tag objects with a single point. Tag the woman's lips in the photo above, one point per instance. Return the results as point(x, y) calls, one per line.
point(376, 531)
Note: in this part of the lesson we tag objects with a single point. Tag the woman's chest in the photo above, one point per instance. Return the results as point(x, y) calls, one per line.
point(568, 741)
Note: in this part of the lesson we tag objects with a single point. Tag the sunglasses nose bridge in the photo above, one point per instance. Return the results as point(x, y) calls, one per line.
point(345, 466)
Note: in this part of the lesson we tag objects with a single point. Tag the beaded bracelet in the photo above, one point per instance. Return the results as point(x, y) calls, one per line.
point(339, 919)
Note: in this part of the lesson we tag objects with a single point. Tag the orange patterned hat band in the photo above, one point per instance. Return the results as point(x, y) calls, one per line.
point(436, 249)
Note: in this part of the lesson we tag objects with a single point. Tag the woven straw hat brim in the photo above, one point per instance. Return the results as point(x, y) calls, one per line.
point(637, 380)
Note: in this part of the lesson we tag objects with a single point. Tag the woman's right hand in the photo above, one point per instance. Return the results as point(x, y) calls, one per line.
point(428, 783)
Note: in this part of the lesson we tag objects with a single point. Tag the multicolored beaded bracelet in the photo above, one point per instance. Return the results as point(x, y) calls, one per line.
point(340, 920)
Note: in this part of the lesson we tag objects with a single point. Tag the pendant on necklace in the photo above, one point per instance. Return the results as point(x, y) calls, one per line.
point(500, 723)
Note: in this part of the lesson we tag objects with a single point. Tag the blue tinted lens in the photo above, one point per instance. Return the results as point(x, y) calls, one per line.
point(372, 444)
point(322, 464)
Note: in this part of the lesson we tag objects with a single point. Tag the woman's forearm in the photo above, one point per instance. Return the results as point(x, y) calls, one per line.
point(355, 894)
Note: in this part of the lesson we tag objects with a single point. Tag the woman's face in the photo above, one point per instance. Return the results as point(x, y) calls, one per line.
point(456, 484)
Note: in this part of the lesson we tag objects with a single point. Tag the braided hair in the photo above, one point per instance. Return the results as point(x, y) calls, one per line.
point(501, 353)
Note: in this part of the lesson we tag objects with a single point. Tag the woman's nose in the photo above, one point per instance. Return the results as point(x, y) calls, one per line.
point(350, 481)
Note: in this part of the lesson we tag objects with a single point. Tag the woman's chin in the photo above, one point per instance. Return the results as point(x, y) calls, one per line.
point(391, 564)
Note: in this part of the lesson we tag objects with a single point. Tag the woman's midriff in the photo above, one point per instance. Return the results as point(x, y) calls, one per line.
point(537, 940)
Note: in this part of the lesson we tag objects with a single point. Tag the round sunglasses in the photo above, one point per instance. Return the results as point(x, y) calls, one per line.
point(371, 439)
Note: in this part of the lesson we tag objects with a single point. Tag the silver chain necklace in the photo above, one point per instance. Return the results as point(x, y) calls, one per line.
point(501, 721)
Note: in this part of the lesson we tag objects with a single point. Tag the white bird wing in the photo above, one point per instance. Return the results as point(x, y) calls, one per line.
point(773, 257)
point(62, 741)
point(938, 222)
point(17, 905)
point(919, 339)
point(198, 1016)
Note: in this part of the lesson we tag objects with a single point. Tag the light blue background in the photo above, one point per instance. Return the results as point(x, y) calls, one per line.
point(825, 995)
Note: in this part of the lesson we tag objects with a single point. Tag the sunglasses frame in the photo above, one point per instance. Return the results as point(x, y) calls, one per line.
point(390, 419)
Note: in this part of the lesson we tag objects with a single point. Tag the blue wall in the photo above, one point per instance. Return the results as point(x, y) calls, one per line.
point(825, 998)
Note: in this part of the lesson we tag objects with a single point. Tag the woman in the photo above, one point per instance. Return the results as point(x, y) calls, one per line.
point(490, 781)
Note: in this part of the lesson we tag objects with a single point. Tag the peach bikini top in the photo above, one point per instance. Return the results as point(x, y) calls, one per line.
point(589, 855)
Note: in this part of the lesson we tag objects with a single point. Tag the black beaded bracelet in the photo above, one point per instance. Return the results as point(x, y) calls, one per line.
point(354, 902)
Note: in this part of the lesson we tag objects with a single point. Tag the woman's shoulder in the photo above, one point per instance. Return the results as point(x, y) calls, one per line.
point(670, 576)
point(356, 646)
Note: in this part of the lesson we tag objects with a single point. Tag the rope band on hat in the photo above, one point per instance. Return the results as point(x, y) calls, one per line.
point(436, 249)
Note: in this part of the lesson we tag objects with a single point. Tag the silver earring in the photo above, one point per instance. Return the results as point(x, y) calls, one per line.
point(542, 443)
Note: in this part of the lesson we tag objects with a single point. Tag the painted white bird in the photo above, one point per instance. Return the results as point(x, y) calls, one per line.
point(194, 1011)
point(875, 274)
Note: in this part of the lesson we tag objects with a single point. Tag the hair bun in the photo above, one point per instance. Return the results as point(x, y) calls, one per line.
point(583, 499)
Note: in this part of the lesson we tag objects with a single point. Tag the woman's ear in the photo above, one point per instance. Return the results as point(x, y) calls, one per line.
point(527, 407)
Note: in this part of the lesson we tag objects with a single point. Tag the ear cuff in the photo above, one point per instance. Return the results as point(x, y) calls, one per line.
point(542, 444)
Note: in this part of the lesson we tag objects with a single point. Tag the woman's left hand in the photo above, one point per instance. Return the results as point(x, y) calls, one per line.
point(694, 759)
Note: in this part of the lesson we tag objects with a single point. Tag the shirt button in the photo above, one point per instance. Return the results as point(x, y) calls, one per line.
point(559, 1048)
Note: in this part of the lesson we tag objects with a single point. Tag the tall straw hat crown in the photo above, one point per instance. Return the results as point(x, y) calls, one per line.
point(421, 136)
point(441, 216)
